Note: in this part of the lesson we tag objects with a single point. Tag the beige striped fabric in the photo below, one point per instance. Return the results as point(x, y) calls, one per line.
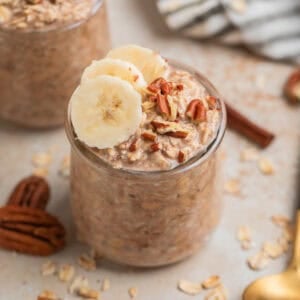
point(268, 27)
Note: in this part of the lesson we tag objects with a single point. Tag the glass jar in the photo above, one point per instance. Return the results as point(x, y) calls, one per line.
point(40, 68)
point(145, 218)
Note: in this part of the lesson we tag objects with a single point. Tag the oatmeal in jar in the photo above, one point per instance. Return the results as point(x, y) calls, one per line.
point(144, 135)
point(44, 47)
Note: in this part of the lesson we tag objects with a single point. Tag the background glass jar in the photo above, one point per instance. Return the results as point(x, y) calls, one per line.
point(146, 218)
point(40, 68)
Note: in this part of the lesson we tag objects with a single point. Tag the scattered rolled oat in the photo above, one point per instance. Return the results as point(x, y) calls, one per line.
point(66, 273)
point(258, 261)
point(246, 245)
point(132, 292)
point(88, 293)
point(211, 282)
point(249, 154)
point(218, 293)
point(239, 6)
point(243, 233)
point(64, 169)
point(48, 268)
point(87, 262)
point(232, 186)
point(41, 159)
point(284, 243)
point(265, 166)
point(42, 172)
point(105, 285)
point(280, 220)
point(189, 288)
point(47, 295)
point(273, 249)
point(78, 282)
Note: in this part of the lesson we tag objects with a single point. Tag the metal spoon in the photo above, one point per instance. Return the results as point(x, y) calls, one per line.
point(283, 286)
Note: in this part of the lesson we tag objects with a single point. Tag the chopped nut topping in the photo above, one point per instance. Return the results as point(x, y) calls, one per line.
point(258, 261)
point(47, 295)
point(87, 262)
point(163, 105)
point(66, 273)
point(132, 292)
point(48, 268)
point(133, 146)
point(211, 282)
point(173, 108)
point(181, 157)
point(154, 147)
point(232, 186)
point(196, 111)
point(105, 285)
point(265, 166)
point(249, 154)
point(149, 136)
point(189, 288)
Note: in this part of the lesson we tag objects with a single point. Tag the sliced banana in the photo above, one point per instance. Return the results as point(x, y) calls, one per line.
point(150, 63)
point(115, 67)
point(105, 111)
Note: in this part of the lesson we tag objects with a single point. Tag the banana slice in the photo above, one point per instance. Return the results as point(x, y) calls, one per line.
point(115, 67)
point(150, 63)
point(105, 111)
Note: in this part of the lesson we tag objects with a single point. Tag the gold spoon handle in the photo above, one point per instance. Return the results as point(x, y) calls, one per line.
point(295, 262)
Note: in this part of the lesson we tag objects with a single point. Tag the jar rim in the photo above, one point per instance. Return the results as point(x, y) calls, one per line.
point(63, 27)
point(84, 150)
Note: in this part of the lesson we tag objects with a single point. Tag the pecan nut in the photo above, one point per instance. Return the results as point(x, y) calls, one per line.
point(292, 87)
point(32, 191)
point(31, 231)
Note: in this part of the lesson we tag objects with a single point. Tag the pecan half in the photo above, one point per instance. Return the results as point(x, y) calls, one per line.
point(178, 134)
point(31, 231)
point(196, 111)
point(292, 88)
point(32, 191)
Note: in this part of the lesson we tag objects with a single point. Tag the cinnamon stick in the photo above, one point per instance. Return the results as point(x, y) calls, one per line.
point(244, 126)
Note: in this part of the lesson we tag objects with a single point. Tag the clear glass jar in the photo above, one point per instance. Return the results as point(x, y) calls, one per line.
point(146, 218)
point(40, 68)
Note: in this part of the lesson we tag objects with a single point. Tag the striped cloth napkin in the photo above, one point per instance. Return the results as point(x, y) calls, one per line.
point(268, 27)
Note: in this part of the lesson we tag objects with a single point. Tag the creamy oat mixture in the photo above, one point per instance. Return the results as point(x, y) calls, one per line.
point(28, 14)
point(166, 139)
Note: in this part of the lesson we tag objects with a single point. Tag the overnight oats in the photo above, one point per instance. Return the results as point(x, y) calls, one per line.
point(144, 165)
point(44, 47)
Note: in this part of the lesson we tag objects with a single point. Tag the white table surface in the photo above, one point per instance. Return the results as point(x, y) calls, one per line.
point(254, 86)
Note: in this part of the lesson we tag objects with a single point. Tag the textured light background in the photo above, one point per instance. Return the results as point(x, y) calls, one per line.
point(251, 84)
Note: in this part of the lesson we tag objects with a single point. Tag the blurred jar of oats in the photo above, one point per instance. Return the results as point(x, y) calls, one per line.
point(44, 46)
